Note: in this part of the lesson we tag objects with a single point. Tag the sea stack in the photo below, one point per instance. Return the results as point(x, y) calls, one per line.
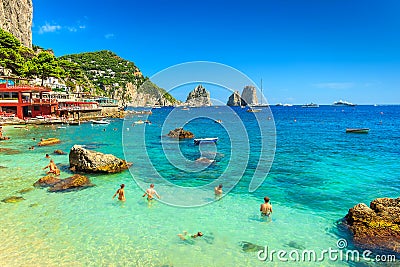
point(199, 97)
point(235, 100)
point(249, 95)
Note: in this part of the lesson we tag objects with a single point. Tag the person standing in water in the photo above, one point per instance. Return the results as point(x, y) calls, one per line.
point(121, 193)
point(218, 190)
point(151, 192)
point(266, 207)
point(52, 168)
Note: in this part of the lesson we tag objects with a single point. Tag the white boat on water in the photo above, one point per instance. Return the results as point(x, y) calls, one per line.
point(311, 105)
point(198, 141)
point(342, 103)
point(100, 122)
point(139, 122)
point(254, 110)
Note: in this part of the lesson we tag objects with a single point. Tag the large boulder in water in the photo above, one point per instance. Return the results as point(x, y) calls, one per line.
point(74, 182)
point(46, 181)
point(376, 226)
point(84, 160)
point(180, 133)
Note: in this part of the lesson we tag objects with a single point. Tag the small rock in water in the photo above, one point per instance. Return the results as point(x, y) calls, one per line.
point(250, 247)
point(25, 190)
point(295, 245)
point(59, 152)
point(12, 199)
point(33, 205)
point(180, 133)
point(8, 151)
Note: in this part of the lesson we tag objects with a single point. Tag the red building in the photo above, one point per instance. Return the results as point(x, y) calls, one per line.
point(24, 100)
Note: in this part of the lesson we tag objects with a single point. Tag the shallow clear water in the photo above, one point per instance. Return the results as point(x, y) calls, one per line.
point(318, 173)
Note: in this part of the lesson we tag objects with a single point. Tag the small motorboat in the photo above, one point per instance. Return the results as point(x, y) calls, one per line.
point(139, 122)
point(100, 122)
point(74, 123)
point(198, 141)
point(357, 130)
point(254, 110)
point(218, 121)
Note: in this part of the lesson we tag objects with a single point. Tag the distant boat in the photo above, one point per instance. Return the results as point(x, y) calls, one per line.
point(279, 104)
point(287, 105)
point(100, 122)
point(311, 105)
point(74, 123)
point(357, 130)
point(139, 122)
point(197, 141)
point(218, 121)
point(342, 103)
point(254, 110)
point(185, 108)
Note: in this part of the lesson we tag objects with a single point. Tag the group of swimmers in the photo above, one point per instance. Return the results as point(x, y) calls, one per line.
point(265, 208)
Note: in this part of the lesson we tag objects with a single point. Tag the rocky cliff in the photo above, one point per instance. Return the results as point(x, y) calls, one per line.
point(235, 100)
point(199, 97)
point(16, 18)
point(249, 95)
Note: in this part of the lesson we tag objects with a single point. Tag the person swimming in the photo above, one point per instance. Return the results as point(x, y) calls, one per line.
point(121, 193)
point(186, 236)
point(266, 207)
point(151, 192)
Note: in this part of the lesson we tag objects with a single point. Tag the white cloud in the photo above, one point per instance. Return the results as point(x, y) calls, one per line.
point(109, 36)
point(82, 26)
point(72, 29)
point(335, 85)
point(49, 28)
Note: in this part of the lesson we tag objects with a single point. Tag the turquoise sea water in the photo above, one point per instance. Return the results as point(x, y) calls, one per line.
point(318, 173)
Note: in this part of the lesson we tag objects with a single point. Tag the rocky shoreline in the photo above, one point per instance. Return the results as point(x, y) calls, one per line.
point(376, 227)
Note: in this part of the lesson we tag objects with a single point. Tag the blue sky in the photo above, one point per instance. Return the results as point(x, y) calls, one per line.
point(305, 51)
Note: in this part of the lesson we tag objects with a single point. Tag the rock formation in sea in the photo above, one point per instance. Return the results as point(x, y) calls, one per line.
point(376, 226)
point(59, 152)
point(46, 181)
point(235, 100)
point(249, 95)
point(75, 182)
point(199, 97)
point(84, 160)
point(180, 133)
point(16, 18)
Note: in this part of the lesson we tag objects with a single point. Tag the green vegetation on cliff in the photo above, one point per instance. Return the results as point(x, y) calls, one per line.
point(27, 63)
point(102, 73)
point(114, 76)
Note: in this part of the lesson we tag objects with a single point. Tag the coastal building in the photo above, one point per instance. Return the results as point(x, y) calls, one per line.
point(21, 100)
point(51, 82)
